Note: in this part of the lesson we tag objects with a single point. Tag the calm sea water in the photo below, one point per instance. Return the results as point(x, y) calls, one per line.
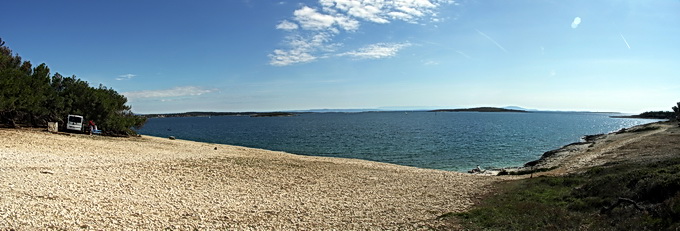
point(456, 141)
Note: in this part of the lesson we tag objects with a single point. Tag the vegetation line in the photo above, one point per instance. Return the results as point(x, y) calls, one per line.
point(31, 96)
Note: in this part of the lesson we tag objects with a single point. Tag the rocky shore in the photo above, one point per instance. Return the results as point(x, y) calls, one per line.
point(600, 149)
point(70, 182)
point(638, 143)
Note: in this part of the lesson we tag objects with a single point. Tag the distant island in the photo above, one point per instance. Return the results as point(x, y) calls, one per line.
point(209, 114)
point(272, 114)
point(479, 109)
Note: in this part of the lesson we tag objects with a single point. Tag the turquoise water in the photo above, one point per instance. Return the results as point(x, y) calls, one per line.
point(456, 141)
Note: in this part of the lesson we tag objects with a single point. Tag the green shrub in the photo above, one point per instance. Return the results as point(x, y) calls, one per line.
point(599, 199)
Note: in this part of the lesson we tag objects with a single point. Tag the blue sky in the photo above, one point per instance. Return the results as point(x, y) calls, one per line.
point(257, 55)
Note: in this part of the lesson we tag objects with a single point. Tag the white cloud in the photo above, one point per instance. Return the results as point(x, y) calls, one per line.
point(125, 76)
point(315, 28)
point(302, 49)
point(377, 51)
point(311, 19)
point(380, 11)
point(400, 15)
point(173, 92)
point(347, 23)
point(576, 22)
point(287, 25)
point(366, 10)
point(285, 58)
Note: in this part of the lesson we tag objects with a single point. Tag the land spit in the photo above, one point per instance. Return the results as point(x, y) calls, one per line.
point(642, 143)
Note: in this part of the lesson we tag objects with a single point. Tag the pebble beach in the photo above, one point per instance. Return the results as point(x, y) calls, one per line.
point(75, 181)
point(58, 181)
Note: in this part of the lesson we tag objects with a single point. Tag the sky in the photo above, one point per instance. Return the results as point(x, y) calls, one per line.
point(265, 55)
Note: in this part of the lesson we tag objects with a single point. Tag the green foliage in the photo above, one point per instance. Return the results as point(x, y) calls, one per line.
point(29, 96)
point(676, 109)
point(657, 115)
point(618, 197)
point(525, 172)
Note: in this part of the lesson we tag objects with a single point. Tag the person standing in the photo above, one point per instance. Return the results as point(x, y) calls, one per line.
point(93, 126)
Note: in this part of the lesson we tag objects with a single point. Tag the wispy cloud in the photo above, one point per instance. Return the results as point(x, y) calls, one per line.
point(625, 41)
point(125, 77)
point(463, 54)
point(430, 63)
point(382, 11)
point(303, 49)
point(168, 93)
point(377, 51)
point(310, 19)
point(576, 22)
point(287, 25)
point(314, 28)
point(492, 40)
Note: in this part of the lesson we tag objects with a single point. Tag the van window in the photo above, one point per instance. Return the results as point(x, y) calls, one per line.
point(74, 119)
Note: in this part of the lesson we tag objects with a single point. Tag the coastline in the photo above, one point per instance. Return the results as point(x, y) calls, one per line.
point(52, 181)
point(593, 150)
point(627, 144)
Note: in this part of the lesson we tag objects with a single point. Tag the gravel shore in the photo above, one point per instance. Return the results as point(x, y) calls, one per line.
point(72, 182)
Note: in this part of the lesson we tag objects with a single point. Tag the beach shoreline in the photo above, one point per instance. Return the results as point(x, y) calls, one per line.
point(75, 181)
point(52, 181)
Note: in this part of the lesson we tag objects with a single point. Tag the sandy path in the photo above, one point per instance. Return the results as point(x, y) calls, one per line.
point(50, 181)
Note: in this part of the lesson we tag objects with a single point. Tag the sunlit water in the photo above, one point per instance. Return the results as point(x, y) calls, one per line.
point(455, 141)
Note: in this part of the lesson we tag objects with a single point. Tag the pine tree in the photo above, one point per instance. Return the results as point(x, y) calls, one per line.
point(29, 96)
point(676, 109)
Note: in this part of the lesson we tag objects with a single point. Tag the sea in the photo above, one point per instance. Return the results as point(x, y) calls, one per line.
point(453, 141)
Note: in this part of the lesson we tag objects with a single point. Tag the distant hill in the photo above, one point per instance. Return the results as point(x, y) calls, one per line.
point(334, 110)
point(207, 114)
point(519, 108)
point(479, 109)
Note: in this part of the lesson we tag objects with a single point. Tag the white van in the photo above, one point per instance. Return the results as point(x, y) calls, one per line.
point(75, 123)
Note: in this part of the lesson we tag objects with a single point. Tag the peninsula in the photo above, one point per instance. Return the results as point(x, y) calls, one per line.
point(650, 115)
point(479, 109)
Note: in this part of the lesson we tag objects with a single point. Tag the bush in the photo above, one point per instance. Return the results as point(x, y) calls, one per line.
point(616, 197)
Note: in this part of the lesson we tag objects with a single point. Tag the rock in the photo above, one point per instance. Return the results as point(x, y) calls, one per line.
point(172, 137)
point(47, 172)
